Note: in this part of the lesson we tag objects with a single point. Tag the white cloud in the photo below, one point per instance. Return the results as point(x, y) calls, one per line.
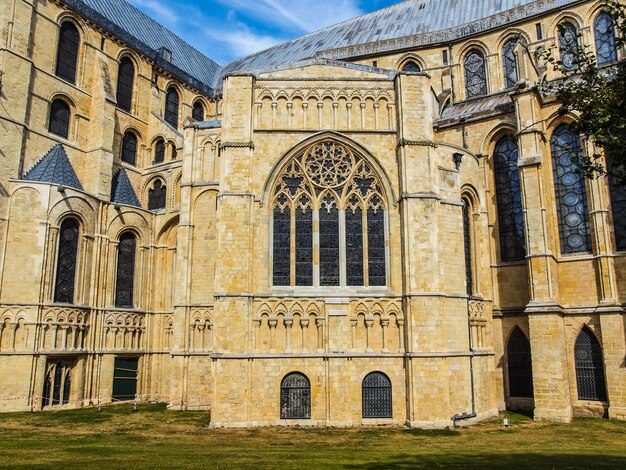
point(159, 9)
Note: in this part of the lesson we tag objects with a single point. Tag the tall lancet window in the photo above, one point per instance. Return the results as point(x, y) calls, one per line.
point(604, 33)
point(509, 64)
point(125, 281)
point(568, 45)
point(65, 281)
point(329, 220)
point(475, 74)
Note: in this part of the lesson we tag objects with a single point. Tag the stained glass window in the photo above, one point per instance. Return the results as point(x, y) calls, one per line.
point(569, 186)
point(519, 361)
point(329, 242)
point(568, 45)
point(377, 396)
point(125, 282)
point(59, 118)
point(589, 367)
point(376, 247)
point(57, 384)
point(129, 148)
point(411, 67)
point(304, 246)
point(604, 32)
point(171, 107)
point(467, 247)
point(509, 198)
point(198, 111)
point(125, 79)
point(354, 246)
point(156, 196)
point(66, 262)
point(295, 397)
point(159, 151)
point(509, 63)
point(282, 246)
point(475, 74)
point(67, 52)
point(618, 209)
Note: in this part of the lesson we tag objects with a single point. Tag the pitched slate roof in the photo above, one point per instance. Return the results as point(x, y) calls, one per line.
point(54, 167)
point(406, 24)
point(147, 36)
point(122, 191)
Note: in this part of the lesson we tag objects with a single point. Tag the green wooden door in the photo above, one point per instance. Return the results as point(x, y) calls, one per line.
point(125, 378)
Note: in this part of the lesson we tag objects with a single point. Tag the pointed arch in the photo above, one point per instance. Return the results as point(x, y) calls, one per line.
point(589, 363)
point(519, 362)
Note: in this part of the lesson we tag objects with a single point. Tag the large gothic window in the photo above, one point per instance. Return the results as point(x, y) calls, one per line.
point(65, 281)
point(568, 45)
point(57, 385)
point(129, 148)
point(328, 193)
point(59, 123)
point(509, 63)
point(589, 367)
point(618, 210)
point(520, 367)
point(376, 393)
point(67, 52)
point(295, 397)
point(467, 247)
point(509, 198)
point(125, 79)
point(475, 74)
point(125, 281)
point(157, 196)
point(604, 33)
point(171, 107)
point(569, 186)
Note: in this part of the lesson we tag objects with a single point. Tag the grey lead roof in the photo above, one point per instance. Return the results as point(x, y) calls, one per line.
point(54, 167)
point(122, 191)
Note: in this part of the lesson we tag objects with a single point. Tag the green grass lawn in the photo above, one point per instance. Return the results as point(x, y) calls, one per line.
point(116, 438)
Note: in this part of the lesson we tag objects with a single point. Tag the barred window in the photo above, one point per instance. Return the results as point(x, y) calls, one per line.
point(330, 193)
point(519, 361)
point(156, 196)
point(604, 33)
point(295, 397)
point(159, 151)
point(171, 107)
point(67, 52)
point(509, 199)
point(125, 80)
point(129, 148)
point(509, 64)
point(125, 279)
point(59, 118)
point(411, 67)
point(589, 367)
point(618, 208)
point(467, 247)
point(377, 396)
point(65, 281)
point(475, 74)
point(57, 384)
point(571, 196)
point(568, 45)
point(198, 111)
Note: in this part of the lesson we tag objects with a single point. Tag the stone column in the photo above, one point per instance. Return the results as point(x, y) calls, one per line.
point(613, 341)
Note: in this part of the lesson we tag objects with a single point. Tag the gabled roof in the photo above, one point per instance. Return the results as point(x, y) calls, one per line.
point(147, 36)
point(407, 24)
point(122, 191)
point(54, 167)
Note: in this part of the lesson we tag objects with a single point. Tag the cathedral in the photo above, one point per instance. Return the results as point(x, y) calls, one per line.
point(381, 222)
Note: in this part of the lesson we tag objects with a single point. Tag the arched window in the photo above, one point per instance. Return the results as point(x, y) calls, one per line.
point(467, 247)
point(568, 45)
point(569, 186)
point(171, 107)
point(329, 190)
point(125, 79)
point(604, 33)
point(411, 67)
point(509, 64)
point(129, 148)
point(159, 151)
point(198, 111)
point(589, 367)
point(509, 198)
point(520, 367)
point(376, 392)
point(475, 74)
point(156, 196)
point(59, 118)
point(57, 384)
point(125, 280)
point(173, 151)
point(618, 209)
point(67, 52)
point(295, 397)
point(65, 281)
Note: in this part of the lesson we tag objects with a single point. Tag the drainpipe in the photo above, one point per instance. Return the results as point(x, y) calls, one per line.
point(464, 416)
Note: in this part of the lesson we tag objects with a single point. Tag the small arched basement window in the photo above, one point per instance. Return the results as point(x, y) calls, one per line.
point(125, 80)
point(129, 148)
point(475, 74)
point(198, 111)
point(125, 279)
point(295, 397)
point(67, 52)
point(65, 280)
point(171, 107)
point(519, 361)
point(59, 118)
point(157, 196)
point(604, 34)
point(589, 367)
point(377, 396)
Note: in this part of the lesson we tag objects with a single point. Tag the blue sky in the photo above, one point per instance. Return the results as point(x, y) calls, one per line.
point(228, 29)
